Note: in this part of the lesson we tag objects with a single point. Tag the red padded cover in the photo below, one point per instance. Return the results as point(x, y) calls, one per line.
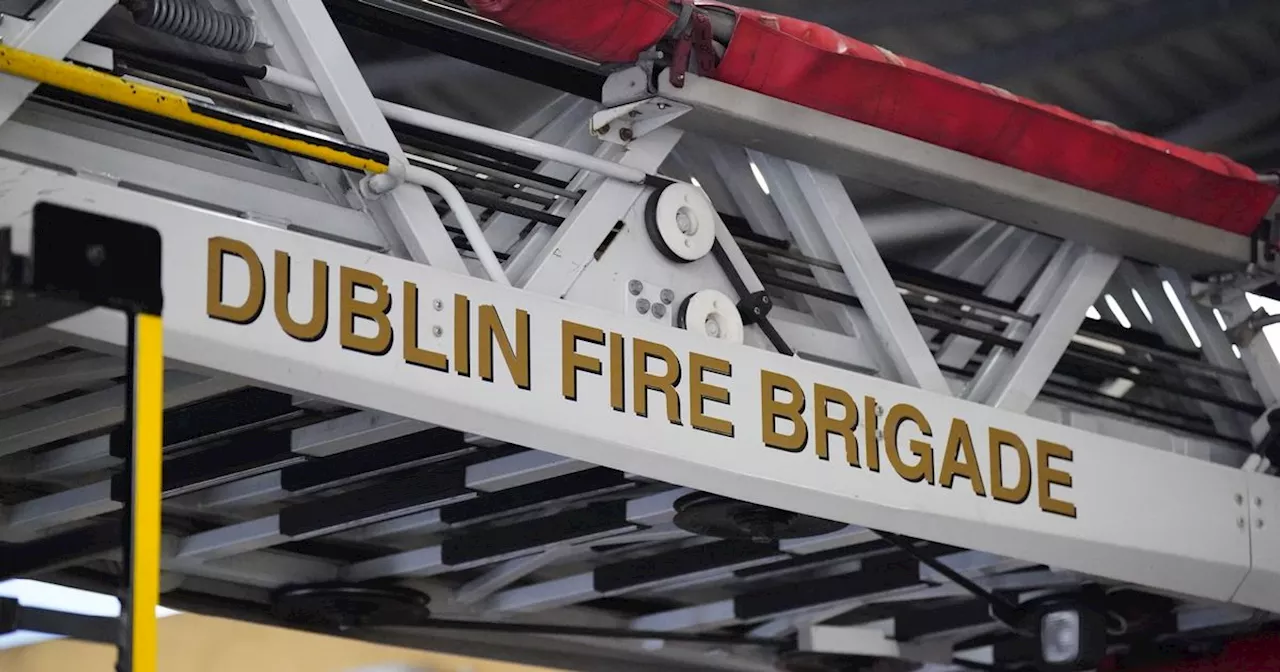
point(1259, 653)
point(608, 31)
point(814, 66)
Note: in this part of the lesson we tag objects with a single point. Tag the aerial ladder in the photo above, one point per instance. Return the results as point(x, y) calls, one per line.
point(600, 310)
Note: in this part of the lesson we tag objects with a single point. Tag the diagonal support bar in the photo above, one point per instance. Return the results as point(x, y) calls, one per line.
point(857, 255)
point(352, 103)
point(1020, 384)
point(56, 29)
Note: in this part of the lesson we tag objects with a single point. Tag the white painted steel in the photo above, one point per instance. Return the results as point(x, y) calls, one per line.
point(1143, 515)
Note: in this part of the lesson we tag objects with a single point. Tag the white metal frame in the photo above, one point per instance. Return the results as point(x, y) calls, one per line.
point(1144, 504)
point(1210, 557)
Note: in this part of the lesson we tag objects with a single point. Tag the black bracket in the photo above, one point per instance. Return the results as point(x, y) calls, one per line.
point(755, 307)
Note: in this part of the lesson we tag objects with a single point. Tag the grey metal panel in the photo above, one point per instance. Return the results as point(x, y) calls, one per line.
point(926, 171)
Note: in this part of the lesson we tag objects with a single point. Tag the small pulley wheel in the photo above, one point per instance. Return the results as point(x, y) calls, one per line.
point(712, 314)
point(681, 222)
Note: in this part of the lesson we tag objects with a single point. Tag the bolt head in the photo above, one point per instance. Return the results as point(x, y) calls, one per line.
point(1240, 522)
point(437, 304)
point(659, 310)
point(1257, 501)
point(1258, 523)
point(635, 287)
point(95, 254)
point(1239, 499)
point(642, 306)
point(667, 296)
point(626, 134)
point(437, 331)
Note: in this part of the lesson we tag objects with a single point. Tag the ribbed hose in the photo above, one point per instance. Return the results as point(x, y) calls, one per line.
point(186, 20)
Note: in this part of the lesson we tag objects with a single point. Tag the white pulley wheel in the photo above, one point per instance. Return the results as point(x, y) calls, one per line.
point(712, 314)
point(682, 222)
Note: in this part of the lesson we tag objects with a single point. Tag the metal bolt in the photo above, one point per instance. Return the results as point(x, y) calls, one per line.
point(659, 310)
point(626, 134)
point(437, 304)
point(604, 129)
point(437, 331)
point(1240, 522)
point(96, 254)
point(642, 306)
point(667, 296)
point(1239, 499)
point(1259, 523)
point(879, 409)
point(635, 287)
point(1257, 501)
point(684, 222)
point(633, 114)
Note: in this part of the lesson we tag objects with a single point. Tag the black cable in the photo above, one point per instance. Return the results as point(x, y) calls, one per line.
point(1002, 609)
point(740, 287)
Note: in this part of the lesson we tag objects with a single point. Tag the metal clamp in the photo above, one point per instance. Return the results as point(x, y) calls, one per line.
point(625, 123)
point(694, 46)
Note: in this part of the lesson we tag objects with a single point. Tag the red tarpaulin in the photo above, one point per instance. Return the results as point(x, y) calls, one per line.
point(814, 66)
point(1258, 653)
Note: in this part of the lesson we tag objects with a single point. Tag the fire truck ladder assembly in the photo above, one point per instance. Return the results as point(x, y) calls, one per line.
point(425, 381)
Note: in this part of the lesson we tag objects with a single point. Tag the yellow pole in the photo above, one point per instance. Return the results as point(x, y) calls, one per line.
point(146, 346)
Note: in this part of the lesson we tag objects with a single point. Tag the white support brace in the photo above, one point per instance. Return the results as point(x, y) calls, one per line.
point(806, 231)
point(571, 248)
point(334, 70)
point(1052, 333)
point(1065, 517)
point(55, 29)
point(1010, 281)
point(872, 284)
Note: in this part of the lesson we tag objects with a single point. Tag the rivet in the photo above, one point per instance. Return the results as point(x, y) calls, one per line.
point(1240, 522)
point(642, 306)
point(667, 296)
point(95, 254)
point(659, 310)
point(437, 304)
point(635, 287)
point(1239, 499)
point(1257, 501)
point(1259, 523)
point(437, 331)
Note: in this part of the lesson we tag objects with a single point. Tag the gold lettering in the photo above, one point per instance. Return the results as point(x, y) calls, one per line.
point(922, 470)
point(247, 312)
point(824, 425)
point(617, 372)
point(772, 410)
point(1050, 476)
point(375, 311)
point(703, 391)
point(572, 361)
point(961, 459)
point(462, 335)
point(313, 329)
point(873, 428)
point(516, 357)
point(645, 381)
point(413, 354)
point(999, 439)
